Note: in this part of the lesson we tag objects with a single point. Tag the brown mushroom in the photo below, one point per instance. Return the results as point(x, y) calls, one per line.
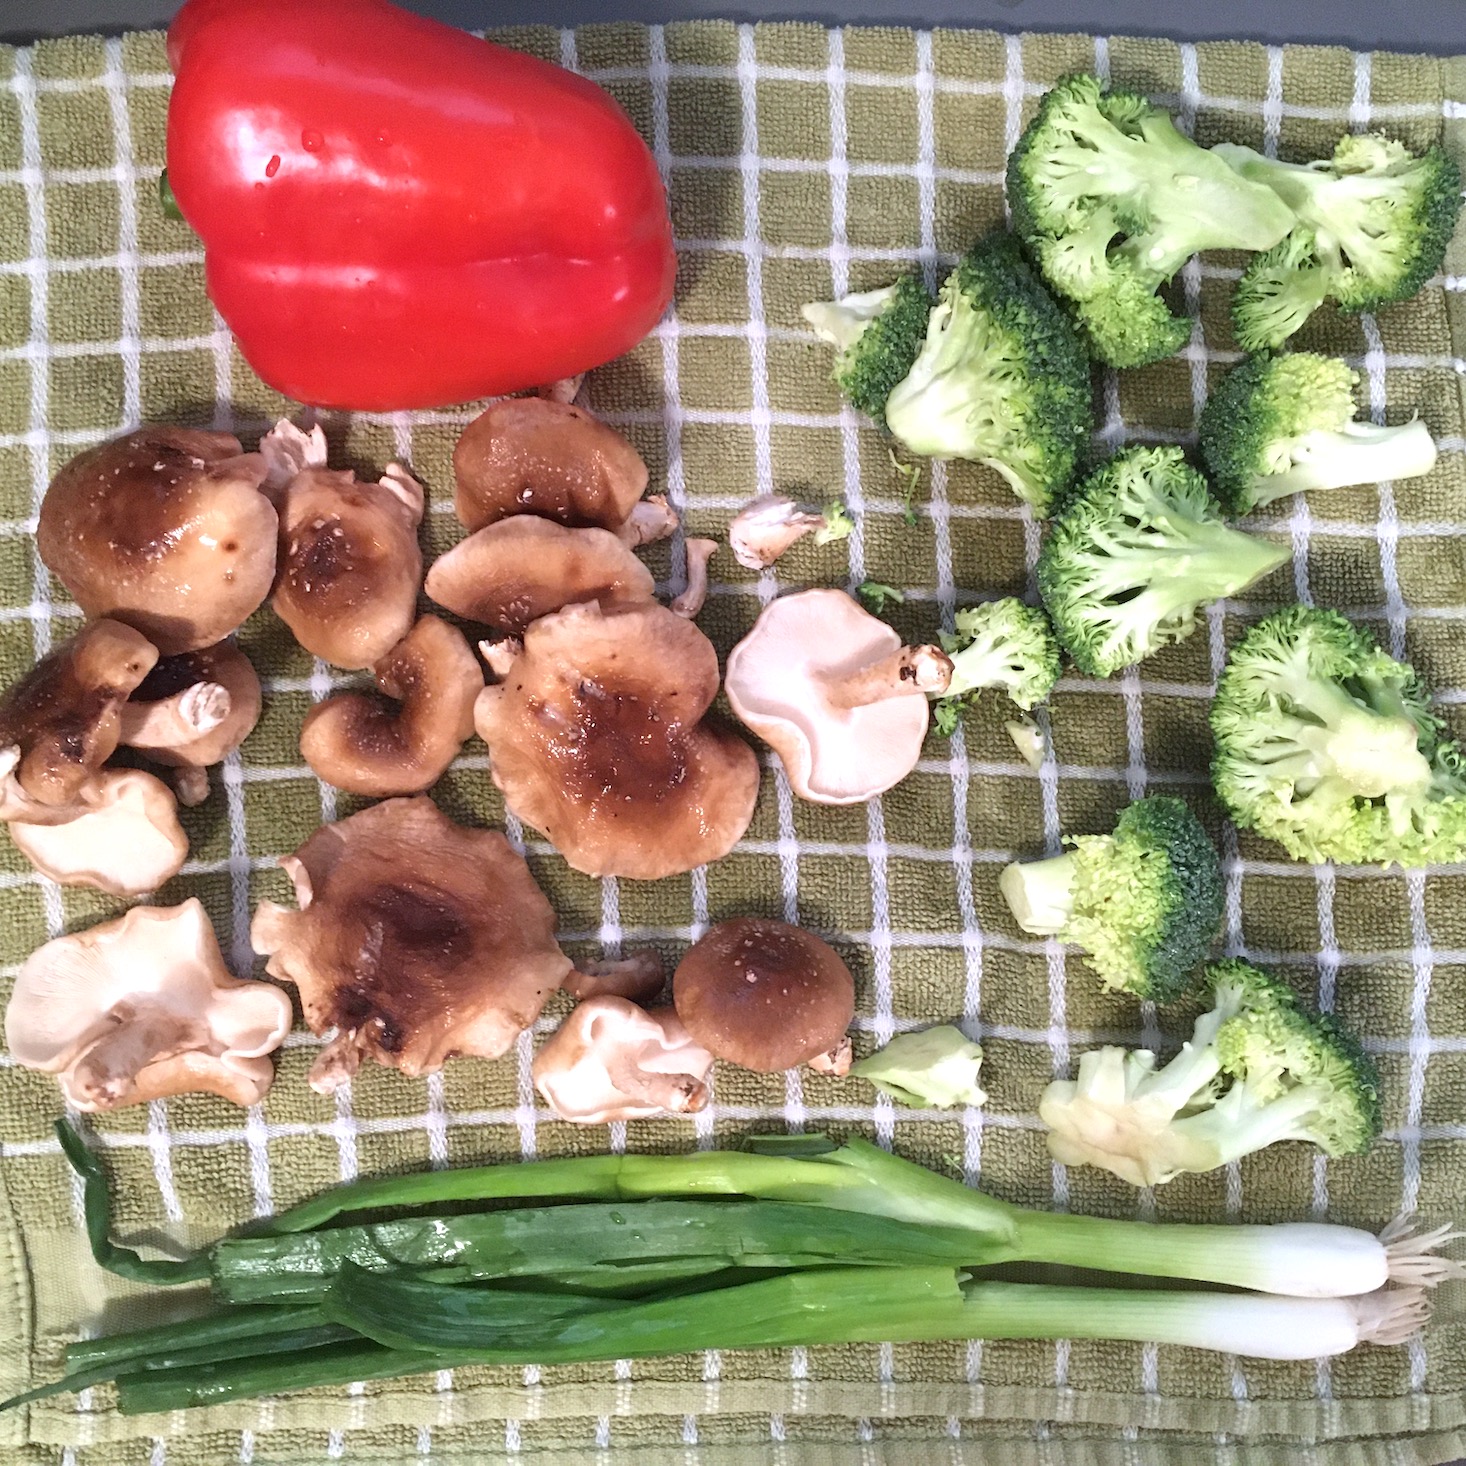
point(417, 939)
point(165, 529)
point(833, 692)
point(191, 711)
point(120, 833)
point(360, 744)
point(767, 996)
point(516, 570)
point(610, 1060)
point(694, 597)
point(62, 718)
point(532, 455)
point(638, 977)
point(597, 738)
point(350, 565)
point(143, 1007)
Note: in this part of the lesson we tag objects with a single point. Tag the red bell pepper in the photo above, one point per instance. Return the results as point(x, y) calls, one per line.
point(397, 214)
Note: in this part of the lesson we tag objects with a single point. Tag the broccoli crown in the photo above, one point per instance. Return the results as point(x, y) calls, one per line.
point(1002, 377)
point(1138, 548)
point(998, 644)
point(1112, 200)
point(1374, 223)
point(1328, 745)
point(1258, 1069)
point(1147, 899)
point(1273, 1047)
point(878, 335)
point(1250, 421)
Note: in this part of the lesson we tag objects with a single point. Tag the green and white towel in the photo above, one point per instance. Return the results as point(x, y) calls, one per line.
point(801, 162)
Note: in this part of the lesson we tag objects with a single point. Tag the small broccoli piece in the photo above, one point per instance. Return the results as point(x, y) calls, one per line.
point(1373, 225)
point(1028, 739)
point(838, 524)
point(1144, 902)
point(877, 335)
point(1002, 377)
point(1112, 200)
point(1135, 552)
point(937, 1066)
point(1279, 424)
point(878, 596)
point(1328, 745)
point(998, 644)
point(1259, 1069)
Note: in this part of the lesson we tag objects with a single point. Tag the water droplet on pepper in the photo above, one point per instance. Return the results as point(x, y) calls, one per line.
point(273, 166)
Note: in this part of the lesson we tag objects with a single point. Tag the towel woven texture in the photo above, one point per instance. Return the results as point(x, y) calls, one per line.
point(801, 162)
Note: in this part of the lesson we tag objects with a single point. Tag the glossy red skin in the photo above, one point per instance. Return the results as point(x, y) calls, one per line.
point(396, 214)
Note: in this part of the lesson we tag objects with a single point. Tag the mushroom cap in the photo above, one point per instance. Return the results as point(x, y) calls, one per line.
point(529, 455)
point(233, 711)
point(165, 529)
point(418, 938)
point(764, 994)
point(63, 714)
point(363, 745)
point(597, 738)
point(611, 1060)
point(833, 755)
point(143, 1007)
point(123, 837)
point(350, 565)
point(516, 570)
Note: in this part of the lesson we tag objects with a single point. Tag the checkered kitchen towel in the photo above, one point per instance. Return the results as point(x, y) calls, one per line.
point(801, 162)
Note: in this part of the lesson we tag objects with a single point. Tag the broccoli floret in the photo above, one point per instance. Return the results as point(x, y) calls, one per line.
point(998, 644)
point(1259, 1069)
point(1328, 745)
point(1002, 377)
point(1134, 553)
point(1144, 902)
point(1373, 225)
point(877, 335)
point(1112, 200)
point(1279, 424)
point(936, 1066)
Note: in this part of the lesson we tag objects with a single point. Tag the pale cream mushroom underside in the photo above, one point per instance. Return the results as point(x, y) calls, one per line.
point(832, 690)
point(120, 834)
point(611, 1060)
point(143, 1007)
point(766, 527)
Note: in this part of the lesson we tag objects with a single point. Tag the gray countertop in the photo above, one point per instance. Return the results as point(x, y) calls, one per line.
point(1402, 25)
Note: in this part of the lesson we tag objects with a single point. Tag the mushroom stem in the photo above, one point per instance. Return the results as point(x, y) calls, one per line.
point(907, 671)
point(106, 1072)
point(338, 1061)
point(691, 601)
point(638, 977)
point(767, 526)
point(174, 720)
point(652, 518)
point(567, 389)
point(190, 785)
point(406, 489)
point(289, 450)
point(500, 656)
point(834, 1061)
point(679, 1093)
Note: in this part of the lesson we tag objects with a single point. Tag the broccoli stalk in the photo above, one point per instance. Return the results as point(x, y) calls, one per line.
point(1113, 200)
point(1373, 225)
point(876, 335)
point(1144, 902)
point(1277, 425)
point(1138, 549)
point(1002, 377)
point(998, 644)
point(1258, 1069)
point(1327, 745)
